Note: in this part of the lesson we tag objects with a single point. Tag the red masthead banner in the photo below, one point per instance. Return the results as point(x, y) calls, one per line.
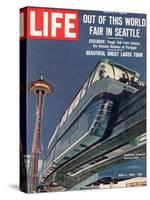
point(49, 24)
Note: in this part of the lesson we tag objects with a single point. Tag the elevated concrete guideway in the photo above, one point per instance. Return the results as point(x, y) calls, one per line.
point(68, 182)
point(128, 136)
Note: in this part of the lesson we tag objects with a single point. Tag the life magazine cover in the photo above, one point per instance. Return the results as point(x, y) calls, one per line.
point(82, 99)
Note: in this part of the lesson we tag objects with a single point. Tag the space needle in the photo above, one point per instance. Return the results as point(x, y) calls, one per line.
point(40, 88)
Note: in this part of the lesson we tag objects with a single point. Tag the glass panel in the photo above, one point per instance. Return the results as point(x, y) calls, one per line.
point(76, 101)
point(91, 78)
point(65, 115)
point(134, 81)
point(136, 78)
point(119, 73)
point(106, 70)
point(96, 75)
point(61, 122)
point(130, 76)
point(141, 83)
point(71, 108)
point(64, 118)
point(84, 89)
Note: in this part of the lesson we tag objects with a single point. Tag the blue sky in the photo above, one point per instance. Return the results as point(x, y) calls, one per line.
point(65, 65)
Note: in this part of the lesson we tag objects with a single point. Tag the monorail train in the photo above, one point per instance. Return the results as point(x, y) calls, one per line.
point(92, 114)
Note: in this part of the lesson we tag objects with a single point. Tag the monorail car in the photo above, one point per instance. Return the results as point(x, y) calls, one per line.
point(92, 114)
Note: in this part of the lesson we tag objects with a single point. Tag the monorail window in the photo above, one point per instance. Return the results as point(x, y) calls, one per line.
point(128, 75)
point(91, 79)
point(96, 75)
point(71, 108)
point(141, 83)
point(61, 122)
point(103, 70)
point(64, 118)
point(107, 70)
point(76, 101)
point(136, 79)
point(119, 73)
point(84, 89)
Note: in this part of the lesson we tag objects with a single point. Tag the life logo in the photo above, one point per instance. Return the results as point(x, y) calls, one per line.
point(49, 24)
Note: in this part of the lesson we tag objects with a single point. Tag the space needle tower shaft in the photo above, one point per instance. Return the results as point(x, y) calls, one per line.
point(40, 88)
